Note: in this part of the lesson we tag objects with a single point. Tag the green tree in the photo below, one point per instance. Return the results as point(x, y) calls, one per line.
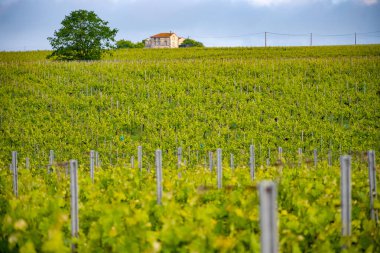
point(191, 43)
point(83, 36)
point(125, 44)
point(129, 44)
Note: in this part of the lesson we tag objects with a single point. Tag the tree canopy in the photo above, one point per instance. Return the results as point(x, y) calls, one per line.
point(129, 44)
point(191, 43)
point(83, 36)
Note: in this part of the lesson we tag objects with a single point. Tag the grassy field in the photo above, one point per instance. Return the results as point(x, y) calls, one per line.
point(310, 98)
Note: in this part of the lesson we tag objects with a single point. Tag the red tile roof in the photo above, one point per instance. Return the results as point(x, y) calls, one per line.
point(162, 35)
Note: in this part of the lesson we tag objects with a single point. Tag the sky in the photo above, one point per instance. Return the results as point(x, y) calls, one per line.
point(26, 24)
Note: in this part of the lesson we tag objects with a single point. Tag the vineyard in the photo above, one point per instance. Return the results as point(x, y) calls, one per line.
point(281, 114)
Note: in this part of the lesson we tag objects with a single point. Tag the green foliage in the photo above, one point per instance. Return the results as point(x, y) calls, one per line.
point(118, 213)
point(129, 44)
point(200, 99)
point(83, 36)
point(191, 43)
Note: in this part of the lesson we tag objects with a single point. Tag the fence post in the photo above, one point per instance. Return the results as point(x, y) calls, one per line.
point(92, 164)
point(219, 167)
point(315, 158)
point(345, 191)
point(268, 217)
point(299, 157)
point(132, 162)
point(159, 175)
point(329, 158)
point(51, 160)
point(139, 157)
point(232, 165)
point(179, 155)
point(15, 173)
point(27, 163)
point(74, 201)
point(252, 162)
point(179, 161)
point(210, 160)
point(372, 184)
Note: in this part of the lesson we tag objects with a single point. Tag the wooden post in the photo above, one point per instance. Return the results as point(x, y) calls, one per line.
point(132, 162)
point(159, 176)
point(268, 217)
point(372, 184)
point(74, 201)
point(210, 160)
point(139, 157)
point(219, 167)
point(345, 191)
point(315, 158)
point(329, 158)
point(51, 160)
point(92, 165)
point(232, 166)
point(252, 162)
point(265, 39)
point(15, 173)
point(27, 163)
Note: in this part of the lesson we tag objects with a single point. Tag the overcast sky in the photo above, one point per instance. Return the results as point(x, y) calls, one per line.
point(25, 24)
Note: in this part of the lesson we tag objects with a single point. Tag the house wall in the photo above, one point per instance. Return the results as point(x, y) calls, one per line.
point(170, 42)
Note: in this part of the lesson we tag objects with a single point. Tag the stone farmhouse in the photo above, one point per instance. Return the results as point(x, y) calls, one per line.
point(164, 40)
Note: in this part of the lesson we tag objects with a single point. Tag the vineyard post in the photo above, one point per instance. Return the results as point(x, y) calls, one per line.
point(299, 157)
point(210, 158)
point(329, 158)
point(132, 162)
point(74, 201)
point(51, 160)
point(92, 163)
point(15, 173)
point(252, 162)
point(27, 163)
point(219, 167)
point(232, 166)
point(315, 158)
point(97, 162)
point(372, 184)
point(139, 157)
point(345, 191)
point(159, 175)
point(268, 159)
point(280, 153)
point(268, 217)
point(179, 154)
